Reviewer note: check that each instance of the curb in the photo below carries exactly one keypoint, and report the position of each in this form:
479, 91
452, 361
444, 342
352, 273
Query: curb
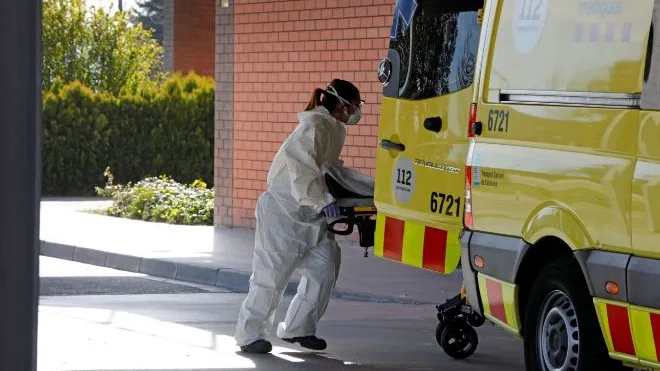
233, 280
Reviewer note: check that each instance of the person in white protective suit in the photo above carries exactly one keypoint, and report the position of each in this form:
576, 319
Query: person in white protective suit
292, 218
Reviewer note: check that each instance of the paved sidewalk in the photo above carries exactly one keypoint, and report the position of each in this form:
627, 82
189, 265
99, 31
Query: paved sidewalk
187, 253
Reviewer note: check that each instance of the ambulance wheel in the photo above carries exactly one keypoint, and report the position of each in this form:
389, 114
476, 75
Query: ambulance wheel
459, 340
561, 330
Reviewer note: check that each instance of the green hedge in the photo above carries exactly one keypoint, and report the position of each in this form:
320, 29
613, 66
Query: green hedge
164, 130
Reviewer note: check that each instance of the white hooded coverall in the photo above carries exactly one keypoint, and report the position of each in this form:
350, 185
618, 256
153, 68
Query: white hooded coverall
291, 231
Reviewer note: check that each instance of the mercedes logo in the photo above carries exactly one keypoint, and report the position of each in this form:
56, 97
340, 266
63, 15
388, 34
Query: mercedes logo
384, 71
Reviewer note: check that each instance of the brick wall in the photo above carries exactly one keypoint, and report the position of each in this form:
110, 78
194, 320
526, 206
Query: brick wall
194, 35
283, 50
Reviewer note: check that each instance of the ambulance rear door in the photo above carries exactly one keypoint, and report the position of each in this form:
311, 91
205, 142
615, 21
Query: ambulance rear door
423, 131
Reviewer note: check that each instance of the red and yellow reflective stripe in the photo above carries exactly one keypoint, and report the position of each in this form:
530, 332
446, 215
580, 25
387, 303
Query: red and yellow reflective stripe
500, 302
619, 323
632, 333
416, 244
393, 243
646, 333
615, 323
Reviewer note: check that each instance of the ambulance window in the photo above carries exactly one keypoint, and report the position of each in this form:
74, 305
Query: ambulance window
438, 49
650, 99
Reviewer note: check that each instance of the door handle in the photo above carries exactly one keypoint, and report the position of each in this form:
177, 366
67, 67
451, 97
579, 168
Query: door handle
389, 145
433, 124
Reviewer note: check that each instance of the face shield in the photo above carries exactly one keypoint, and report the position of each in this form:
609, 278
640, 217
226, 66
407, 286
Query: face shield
356, 115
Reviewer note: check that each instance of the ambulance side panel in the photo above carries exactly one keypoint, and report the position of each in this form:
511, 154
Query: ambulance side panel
643, 270
557, 153
566, 152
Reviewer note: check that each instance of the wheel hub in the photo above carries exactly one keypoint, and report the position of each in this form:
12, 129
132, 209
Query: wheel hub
558, 334
458, 339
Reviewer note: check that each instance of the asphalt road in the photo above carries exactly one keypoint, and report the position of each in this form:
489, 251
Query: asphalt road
66, 278
95, 318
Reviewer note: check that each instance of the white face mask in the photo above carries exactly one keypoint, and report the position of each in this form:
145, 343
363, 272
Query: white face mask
352, 119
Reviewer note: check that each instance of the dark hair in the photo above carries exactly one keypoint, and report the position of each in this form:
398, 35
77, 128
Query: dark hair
345, 90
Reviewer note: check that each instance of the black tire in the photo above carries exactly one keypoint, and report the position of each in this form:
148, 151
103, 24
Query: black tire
575, 341
476, 320
439, 329
459, 340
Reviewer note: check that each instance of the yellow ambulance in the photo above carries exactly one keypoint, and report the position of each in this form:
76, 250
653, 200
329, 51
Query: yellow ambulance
520, 140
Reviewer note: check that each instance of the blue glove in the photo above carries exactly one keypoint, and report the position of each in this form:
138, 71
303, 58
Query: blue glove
331, 211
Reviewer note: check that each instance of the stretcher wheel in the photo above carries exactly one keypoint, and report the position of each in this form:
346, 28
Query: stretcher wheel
476, 320
439, 329
459, 340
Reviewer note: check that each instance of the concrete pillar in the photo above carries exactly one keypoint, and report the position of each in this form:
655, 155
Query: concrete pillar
20, 188
224, 113
168, 35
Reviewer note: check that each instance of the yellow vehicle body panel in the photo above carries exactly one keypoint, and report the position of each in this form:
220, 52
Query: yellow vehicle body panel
414, 213
646, 188
569, 47
574, 185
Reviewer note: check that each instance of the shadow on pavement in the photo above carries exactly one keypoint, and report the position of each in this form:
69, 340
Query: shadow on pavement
94, 336
304, 361
186, 331
281, 361
100, 285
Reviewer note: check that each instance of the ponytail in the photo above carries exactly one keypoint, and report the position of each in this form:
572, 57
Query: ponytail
315, 99
343, 88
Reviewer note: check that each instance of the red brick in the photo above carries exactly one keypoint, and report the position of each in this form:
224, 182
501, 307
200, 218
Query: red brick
194, 36
285, 49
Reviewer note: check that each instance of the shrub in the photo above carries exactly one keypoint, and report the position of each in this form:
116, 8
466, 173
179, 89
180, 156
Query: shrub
168, 129
159, 199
